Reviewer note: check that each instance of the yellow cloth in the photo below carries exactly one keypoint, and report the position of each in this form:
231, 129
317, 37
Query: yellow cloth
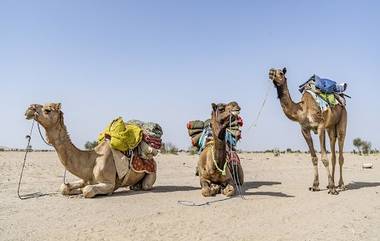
123, 137
329, 98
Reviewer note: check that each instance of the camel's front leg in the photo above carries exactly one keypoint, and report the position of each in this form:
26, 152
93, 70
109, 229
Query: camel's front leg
209, 189
72, 188
90, 191
322, 140
307, 135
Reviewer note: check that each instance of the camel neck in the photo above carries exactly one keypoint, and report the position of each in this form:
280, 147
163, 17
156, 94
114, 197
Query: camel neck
288, 106
219, 151
74, 160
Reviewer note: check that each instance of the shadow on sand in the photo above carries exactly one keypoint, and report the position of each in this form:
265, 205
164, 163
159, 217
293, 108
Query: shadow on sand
360, 185
251, 185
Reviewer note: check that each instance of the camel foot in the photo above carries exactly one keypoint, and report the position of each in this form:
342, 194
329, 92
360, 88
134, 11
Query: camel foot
229, 191
207, 192
89, 191
64, 189
215, 189
314, 189
333, 191
147, 187
136, 187
342, 187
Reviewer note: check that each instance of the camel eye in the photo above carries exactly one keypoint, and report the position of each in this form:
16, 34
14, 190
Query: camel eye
47, 111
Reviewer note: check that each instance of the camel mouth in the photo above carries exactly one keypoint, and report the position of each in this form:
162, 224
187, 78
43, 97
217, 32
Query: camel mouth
30, 114
235, 112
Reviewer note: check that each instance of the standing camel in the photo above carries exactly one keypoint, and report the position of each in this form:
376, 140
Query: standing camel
214, 174
96, 168
311, 118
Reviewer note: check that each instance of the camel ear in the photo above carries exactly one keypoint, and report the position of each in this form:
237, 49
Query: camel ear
284, 70
57, 106
214, 106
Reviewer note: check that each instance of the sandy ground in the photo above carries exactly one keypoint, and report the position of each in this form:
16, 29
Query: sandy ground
278, 206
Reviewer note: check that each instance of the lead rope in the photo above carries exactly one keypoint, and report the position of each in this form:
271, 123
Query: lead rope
254, 124
27, 149
235, 173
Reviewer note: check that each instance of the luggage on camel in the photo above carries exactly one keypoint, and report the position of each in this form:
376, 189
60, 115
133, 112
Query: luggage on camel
122, 137
327, 93
134, 142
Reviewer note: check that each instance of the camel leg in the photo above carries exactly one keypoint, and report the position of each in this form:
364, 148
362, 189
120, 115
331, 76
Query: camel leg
341, 128
332, 137
148, 181
325, 161
209, 189
229, 190
90, 191
104, 176
307, 135
72, 188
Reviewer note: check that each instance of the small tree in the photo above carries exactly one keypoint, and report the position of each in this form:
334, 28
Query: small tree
90, 145
366, 147
169, 148
358, 144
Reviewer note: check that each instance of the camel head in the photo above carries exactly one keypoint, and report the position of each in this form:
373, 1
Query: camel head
48, 115
278, 76
220, 117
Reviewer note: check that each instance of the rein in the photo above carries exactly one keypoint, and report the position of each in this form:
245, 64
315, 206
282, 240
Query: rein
27, 150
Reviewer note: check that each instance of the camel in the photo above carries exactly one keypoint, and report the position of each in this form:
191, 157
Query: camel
95, 168
215, 176
309, 115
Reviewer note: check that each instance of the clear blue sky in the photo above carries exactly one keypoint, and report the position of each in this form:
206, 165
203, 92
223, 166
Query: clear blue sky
166, 61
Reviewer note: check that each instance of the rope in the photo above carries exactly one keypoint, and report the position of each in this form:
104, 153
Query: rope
193, 204
235, 173
27, 149
254, 124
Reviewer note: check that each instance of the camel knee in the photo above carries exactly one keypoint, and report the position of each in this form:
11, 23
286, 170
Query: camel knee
341, 160
325, 162
314, 160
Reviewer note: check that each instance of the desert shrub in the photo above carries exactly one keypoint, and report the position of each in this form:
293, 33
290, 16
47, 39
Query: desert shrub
169, 148
90, 145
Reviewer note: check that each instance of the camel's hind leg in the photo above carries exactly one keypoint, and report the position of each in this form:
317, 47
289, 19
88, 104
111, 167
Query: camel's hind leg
72, 188
325, 161
341, 129
307, 135
104, 176
148, 181
332, 137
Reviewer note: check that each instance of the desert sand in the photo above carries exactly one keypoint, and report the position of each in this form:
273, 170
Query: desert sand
278, 205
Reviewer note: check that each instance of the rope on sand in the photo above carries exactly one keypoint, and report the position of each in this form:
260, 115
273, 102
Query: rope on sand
193, 204
27, 149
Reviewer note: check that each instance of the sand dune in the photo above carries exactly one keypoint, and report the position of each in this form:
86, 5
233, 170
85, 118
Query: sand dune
278, 205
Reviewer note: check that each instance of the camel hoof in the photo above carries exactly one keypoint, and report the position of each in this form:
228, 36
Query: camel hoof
64, 189
333, 191
314, 189
229, 191
136, 187
206, 192
88, 192
214, 189
342, 187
